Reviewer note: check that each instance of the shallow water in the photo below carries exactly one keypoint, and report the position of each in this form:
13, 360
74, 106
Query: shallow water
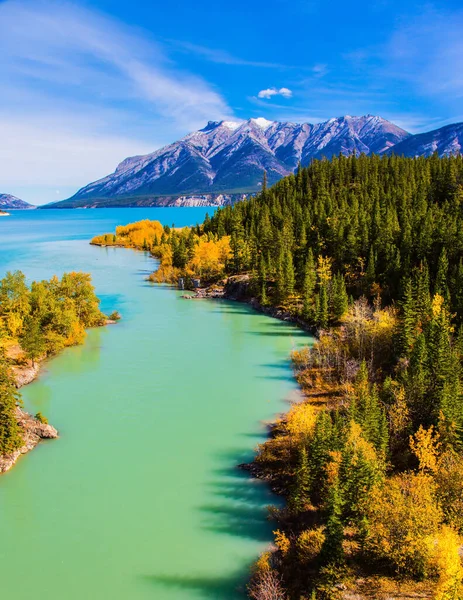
140, 497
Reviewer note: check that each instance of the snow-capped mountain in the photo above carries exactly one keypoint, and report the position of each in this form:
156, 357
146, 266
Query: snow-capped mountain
228, 157
445, 141
9, 201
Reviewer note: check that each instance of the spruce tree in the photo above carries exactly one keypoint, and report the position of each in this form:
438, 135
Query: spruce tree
408, 318
370, 274
322, 316
441, 286
332, 550
10, 432
310, 280
300, 494
340, 298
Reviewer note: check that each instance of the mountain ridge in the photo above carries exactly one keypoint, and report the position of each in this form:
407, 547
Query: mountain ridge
11, 202
228, 158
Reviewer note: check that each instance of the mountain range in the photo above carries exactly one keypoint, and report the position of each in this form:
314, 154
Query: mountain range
9, 201
219, 163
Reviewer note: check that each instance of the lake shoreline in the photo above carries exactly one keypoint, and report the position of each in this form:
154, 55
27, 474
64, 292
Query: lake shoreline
236, 289
33, 430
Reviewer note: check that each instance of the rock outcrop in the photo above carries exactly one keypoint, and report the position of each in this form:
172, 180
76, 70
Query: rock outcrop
33, 432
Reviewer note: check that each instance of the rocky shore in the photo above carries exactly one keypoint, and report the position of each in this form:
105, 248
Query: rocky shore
33, 432
237, 288
33, 429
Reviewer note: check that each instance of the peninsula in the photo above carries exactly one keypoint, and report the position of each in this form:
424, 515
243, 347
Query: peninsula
36, 322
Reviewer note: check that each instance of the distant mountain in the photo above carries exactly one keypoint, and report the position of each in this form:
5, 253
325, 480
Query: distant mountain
445, 141
229, 158
8, 201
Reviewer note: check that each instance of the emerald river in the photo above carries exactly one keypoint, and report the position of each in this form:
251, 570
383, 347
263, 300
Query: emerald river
140, 497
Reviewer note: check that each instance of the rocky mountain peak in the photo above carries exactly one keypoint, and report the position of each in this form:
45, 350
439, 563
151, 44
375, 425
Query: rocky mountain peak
229, 156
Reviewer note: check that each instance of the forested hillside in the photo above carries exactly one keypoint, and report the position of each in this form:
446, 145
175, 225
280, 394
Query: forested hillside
369, 250
372, 463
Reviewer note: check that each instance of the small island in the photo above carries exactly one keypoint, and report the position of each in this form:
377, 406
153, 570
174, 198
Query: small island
3, 213
36, 322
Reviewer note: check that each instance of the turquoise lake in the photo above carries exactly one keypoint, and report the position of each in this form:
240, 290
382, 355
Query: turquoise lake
140, 497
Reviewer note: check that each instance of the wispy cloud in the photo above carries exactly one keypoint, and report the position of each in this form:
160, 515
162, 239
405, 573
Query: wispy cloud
428, 52
421, 63
54, 57
320, 70
216, 55
270, 92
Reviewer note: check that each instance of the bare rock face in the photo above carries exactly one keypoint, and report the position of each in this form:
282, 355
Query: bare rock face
238, 288
24, 374
33, 431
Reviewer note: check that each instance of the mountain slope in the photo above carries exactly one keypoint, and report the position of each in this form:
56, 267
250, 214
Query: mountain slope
445, 141
230, 157
9, 201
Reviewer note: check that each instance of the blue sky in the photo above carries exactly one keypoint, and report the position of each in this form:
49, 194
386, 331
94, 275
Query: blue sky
86, 83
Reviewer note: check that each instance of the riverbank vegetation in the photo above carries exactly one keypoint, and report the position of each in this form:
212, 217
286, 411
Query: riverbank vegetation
36, 321
185, 252
369, 251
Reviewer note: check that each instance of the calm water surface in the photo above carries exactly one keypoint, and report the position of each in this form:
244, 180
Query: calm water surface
139, 498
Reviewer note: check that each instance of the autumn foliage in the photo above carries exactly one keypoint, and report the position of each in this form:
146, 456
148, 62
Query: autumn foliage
181, 252
39, 320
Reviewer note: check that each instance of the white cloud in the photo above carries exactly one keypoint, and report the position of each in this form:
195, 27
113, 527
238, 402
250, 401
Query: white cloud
81, 91
270, 92
49, 153
285, 92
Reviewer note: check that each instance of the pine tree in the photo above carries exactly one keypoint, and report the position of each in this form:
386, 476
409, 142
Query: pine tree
340, 298
300, 495
262, 280
418, 379
332, 550
288, 273
441, 286
423, 295
322, 316
370, 274
310, 280
408, 320
285, 276
10, 432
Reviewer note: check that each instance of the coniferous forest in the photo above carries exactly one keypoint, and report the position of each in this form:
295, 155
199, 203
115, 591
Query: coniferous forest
369, 252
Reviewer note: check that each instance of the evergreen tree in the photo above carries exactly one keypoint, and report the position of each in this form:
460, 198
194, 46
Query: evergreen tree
370, 274
10, 432
262, 280
441, 286
408, 324
300, 495
310, 280
332, 550
322, 315
340, 298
